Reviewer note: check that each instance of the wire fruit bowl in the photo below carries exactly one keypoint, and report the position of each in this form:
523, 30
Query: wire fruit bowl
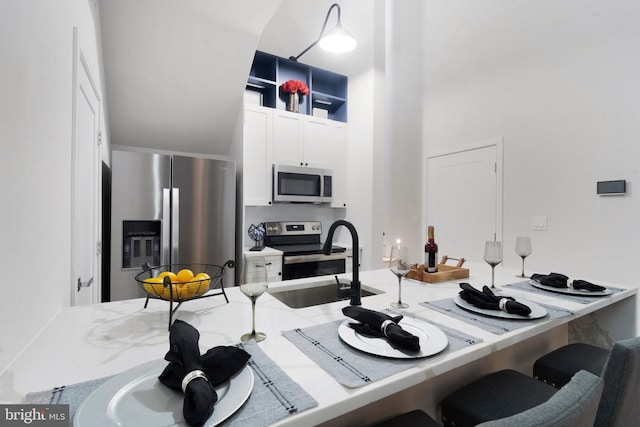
162, 282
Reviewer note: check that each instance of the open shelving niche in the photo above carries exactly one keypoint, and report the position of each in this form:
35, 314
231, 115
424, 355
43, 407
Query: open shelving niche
327, 90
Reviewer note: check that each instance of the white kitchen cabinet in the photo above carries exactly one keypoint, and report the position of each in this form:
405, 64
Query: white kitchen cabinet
326, 143
317, 135
289, 140
273, 262
338, 164
285, 138
300, 140
274, 268
349, 262
257, 155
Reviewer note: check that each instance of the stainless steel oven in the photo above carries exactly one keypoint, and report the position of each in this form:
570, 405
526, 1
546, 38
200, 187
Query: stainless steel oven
302, 250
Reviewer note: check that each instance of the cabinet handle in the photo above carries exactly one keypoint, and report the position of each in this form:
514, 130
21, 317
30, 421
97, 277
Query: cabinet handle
268, 263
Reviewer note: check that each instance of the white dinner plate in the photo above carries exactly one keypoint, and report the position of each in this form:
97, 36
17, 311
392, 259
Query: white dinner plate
570, 291
537, 311
136, 398
432, 340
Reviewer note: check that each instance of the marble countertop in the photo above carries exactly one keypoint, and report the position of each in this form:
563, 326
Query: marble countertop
87, 342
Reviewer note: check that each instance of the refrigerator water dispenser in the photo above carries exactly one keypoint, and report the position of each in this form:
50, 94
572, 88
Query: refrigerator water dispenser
140, 243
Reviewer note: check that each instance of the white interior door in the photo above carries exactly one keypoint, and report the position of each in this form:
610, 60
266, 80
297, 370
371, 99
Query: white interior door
464, 199
85, 286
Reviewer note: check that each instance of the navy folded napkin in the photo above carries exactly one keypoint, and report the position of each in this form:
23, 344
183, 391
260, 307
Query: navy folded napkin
490, 301
376, 324
196, 375
558, 280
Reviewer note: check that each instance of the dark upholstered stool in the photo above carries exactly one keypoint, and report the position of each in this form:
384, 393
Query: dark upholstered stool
508, 399
415, 418
621, 374
497, 395
557, 368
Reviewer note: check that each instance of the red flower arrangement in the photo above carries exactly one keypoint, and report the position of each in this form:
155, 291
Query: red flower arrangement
295, 86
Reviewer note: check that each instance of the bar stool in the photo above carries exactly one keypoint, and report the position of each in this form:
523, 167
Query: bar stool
619, 368
508, 398
557, 368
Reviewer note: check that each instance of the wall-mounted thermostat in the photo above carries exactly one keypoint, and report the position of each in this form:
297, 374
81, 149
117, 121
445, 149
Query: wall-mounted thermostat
612, 188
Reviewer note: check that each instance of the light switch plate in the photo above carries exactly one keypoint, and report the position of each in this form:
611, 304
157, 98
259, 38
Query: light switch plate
539, 223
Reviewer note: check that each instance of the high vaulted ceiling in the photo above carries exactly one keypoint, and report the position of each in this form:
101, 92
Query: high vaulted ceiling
175, 71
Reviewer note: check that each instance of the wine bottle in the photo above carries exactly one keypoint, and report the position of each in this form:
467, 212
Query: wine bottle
431, 252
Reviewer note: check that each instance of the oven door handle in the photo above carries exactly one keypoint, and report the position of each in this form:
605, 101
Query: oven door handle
298, 259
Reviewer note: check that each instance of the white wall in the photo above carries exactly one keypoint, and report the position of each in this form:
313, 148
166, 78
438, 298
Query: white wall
36, 52
568, 112
402, 170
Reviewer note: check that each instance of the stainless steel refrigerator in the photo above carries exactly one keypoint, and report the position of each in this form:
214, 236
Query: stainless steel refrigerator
169, 209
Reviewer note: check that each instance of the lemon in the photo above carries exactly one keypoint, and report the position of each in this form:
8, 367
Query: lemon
154, 286
187, 290
167, 292
185, 275
204, 281
172, 276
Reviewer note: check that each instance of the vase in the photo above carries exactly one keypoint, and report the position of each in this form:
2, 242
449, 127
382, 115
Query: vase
293, 102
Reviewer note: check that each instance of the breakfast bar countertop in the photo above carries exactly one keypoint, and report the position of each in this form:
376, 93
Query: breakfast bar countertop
87, 342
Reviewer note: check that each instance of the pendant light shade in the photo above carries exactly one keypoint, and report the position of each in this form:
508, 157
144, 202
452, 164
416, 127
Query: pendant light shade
336, 40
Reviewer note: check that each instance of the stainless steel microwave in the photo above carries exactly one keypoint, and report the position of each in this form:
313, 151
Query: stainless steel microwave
301, 184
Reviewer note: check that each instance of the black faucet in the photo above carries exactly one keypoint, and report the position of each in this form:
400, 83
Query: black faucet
355, 283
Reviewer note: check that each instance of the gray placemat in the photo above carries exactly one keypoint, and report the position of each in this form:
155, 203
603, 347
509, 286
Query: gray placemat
528, 287
492, 324
275, 395
72, 395
352, 367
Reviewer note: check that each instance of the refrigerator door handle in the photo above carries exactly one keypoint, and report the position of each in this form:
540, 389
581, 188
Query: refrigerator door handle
175, 224
166, 226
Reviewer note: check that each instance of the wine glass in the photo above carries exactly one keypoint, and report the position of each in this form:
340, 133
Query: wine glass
493, 256
400, 266
253, 283
523, 248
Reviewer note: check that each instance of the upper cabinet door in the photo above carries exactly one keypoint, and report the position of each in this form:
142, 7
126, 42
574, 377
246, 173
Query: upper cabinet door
338, 164
288, 138
317, 142
257, 156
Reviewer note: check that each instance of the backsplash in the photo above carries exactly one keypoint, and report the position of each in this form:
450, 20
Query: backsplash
295, 212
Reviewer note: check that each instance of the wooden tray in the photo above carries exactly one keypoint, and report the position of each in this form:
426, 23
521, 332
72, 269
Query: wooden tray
444, 273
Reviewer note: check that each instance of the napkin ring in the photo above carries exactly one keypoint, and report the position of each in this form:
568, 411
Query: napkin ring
502, 304
196, 373
384, 325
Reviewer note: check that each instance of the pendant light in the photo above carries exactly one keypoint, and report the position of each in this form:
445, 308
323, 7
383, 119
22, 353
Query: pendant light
336, 40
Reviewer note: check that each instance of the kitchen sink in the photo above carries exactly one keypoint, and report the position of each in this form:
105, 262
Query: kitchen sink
316, 293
